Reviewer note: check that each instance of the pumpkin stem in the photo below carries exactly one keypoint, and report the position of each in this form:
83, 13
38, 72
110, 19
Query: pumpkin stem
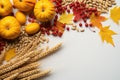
1, 6
7, 28
43, 9
20, 0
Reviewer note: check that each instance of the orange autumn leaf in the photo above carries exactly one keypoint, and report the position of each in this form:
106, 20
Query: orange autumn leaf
60, 26
106, 35
97, 20
10, 54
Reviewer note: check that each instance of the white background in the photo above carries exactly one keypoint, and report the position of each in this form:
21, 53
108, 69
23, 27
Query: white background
83, 56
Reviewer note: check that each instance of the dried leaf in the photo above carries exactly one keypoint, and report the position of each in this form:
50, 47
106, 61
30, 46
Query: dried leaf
115, 14
66, 18
106, 35
10, 54
97, 20
60, 26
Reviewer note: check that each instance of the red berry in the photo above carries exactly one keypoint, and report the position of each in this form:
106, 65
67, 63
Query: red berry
68, 28
56, 17
77, 3
1, 48
90, 25
90, 13
68, 11
60, 12
85, 20
64, 26
57, 11
80, 24
2, 44
86, 25
75, 20
29, 20
70, 5
60, 34
54, 33
96, 13
48, 33
32, 20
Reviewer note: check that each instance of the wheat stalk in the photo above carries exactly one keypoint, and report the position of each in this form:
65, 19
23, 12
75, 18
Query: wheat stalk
28, 73
11, 62
22, 69
30, 70
14, 66
30, 54
35, 76
34, 45
43, 54
30, 47
25, 49
12, 77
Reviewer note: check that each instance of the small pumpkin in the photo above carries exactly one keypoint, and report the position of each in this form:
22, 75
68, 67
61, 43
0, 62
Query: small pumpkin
9, 28
32, 28
5, 7
44, 10
21, 17
24, 5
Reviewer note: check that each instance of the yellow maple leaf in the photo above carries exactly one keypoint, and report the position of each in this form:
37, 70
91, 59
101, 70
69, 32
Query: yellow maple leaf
10, 54
106, 35
97, 20
115, 14
66, 18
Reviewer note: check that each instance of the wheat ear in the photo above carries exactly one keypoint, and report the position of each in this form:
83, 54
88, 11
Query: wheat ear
10, 63
25, 49
49, 51
14, 66
12, 77
30, 54
34, 45
38, 75
22, 69
28, 73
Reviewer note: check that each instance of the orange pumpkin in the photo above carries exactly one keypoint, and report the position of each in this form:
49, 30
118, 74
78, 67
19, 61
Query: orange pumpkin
5, 7
24, 5
21, 17
9, 27
32, 28
44, 10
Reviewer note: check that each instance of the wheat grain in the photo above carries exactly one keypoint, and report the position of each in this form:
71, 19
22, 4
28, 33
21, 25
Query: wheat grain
101, 5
